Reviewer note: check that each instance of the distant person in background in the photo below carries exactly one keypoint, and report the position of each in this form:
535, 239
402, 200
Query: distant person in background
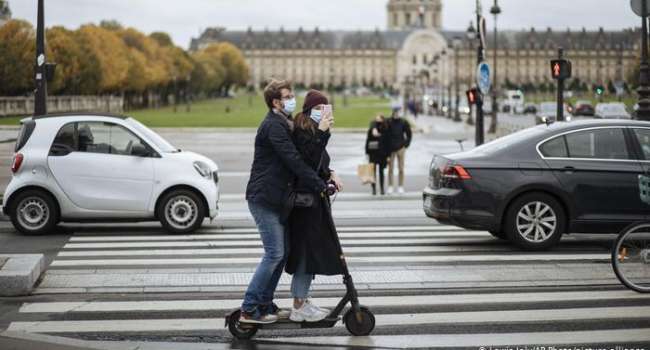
378, 150
400, 140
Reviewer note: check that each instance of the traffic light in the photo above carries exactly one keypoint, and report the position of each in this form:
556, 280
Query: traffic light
561, 69
600, 90
472, 96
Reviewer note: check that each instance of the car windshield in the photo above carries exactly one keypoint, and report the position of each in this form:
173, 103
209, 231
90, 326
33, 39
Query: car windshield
508, 141
160, 142
548, 107
614, 108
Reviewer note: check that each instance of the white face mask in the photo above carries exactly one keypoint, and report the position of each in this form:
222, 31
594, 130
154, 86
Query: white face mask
316, 115
289, 106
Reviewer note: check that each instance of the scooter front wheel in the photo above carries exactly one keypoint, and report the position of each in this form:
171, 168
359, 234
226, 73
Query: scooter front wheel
360, 323
239, 331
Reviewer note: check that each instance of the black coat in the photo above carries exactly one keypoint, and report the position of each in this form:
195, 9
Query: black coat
379, 156
311, 235
400, 131
276, 164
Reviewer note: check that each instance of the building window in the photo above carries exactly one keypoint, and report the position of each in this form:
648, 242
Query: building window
408, 19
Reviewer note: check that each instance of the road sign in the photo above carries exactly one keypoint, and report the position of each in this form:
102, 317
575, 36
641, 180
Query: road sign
637, 7
484, 77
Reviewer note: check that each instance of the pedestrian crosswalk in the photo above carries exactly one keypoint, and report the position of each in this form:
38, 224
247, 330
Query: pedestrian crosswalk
437, 282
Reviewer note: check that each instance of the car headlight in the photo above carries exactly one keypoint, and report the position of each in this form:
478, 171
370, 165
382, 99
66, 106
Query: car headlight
203, 169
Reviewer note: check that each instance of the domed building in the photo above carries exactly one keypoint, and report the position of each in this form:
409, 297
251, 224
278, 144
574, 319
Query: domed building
416, 49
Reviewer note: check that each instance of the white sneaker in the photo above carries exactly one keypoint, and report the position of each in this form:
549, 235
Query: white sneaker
326, 311
390, 190
401, 190
307, 313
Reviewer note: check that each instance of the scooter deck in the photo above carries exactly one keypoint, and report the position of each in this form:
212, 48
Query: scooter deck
288, 324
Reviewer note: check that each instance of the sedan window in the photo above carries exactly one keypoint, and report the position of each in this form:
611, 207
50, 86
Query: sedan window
598, 144
555, 148
643, 135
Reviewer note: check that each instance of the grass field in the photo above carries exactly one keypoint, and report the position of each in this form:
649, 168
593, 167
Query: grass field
246, 112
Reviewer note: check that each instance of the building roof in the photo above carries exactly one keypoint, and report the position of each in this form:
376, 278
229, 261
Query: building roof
393, 40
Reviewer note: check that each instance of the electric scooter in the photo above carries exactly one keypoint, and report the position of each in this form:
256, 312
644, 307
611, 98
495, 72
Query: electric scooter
358, 319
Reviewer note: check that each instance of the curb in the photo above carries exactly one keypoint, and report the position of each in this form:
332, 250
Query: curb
20, 273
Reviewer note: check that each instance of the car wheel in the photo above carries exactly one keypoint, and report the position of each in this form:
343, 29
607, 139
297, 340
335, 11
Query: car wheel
34, 212
499, 235
535, 221
181, 211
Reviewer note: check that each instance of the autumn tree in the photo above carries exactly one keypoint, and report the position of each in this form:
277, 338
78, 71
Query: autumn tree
111, 54
17, 55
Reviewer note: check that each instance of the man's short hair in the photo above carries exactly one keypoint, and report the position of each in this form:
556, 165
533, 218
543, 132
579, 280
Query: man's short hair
273, 91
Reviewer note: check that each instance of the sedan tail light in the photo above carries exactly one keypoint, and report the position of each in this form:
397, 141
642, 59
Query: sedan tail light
17, 162
456, 172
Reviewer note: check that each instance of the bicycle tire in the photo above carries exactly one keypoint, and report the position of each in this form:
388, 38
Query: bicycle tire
615, 257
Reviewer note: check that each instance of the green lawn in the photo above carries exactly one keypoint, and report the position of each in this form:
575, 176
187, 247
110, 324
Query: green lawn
247, 112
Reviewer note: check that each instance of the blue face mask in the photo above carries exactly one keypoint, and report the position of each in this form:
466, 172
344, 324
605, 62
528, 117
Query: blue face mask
290, 106
316, 115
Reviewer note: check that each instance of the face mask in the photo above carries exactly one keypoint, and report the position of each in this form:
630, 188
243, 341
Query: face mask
290, 106
316, 115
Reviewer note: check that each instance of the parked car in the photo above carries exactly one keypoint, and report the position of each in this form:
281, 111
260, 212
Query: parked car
584, 108
530, 108
83, 167
613, 110
513, 102
547, 113
533, 186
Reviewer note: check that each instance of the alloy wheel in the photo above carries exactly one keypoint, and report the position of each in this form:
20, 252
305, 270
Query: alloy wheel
536, 222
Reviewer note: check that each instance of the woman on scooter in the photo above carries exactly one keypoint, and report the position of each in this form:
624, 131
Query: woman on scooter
312, 249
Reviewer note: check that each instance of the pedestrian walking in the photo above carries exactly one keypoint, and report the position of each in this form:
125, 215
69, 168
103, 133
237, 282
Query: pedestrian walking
400, 140
276, 163
312, 252
378, 149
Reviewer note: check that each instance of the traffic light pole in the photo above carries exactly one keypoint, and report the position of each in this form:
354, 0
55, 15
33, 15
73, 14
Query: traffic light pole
560, 91
40, 78
480, 116
643, 113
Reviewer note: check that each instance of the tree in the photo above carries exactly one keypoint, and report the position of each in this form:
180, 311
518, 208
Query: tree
76, 72
17, 54
232, 60
111, 54
209, 74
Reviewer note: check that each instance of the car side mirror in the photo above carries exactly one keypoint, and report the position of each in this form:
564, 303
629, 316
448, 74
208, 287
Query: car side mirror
140, 150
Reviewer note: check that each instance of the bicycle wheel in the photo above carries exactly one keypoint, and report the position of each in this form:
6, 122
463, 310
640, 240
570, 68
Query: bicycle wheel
631, 257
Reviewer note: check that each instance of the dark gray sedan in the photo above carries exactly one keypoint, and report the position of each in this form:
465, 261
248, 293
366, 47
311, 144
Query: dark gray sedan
533, 186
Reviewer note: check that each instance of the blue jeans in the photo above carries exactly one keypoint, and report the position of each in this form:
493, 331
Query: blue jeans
275, 238
301, 281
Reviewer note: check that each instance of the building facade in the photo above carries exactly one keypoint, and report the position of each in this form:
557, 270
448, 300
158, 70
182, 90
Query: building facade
5, 12
415, 49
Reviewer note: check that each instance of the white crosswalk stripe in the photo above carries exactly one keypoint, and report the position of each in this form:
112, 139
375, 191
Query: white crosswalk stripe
409, 265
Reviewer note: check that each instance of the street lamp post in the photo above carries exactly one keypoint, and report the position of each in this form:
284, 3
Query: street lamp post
643, 113
40, 78
496, 11
457, 43
480, 21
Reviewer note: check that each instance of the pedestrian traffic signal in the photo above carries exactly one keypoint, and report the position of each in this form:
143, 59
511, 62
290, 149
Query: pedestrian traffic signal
600, 90
561, 69
472, 96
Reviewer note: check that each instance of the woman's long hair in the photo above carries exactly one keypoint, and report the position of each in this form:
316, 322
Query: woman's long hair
303, 121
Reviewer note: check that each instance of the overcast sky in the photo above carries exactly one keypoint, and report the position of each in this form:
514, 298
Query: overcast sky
184, 19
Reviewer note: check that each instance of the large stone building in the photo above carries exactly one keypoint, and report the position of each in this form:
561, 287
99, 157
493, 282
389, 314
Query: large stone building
5, 12
415, 49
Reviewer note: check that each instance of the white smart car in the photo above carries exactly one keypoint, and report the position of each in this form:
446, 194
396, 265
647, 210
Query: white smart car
103, 168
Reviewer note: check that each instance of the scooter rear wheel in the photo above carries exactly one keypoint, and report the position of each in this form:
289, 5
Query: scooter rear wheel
359, 324
236, 329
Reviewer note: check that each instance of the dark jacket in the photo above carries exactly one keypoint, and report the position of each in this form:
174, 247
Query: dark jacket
311, 231
276, 164
400, 133
380, 155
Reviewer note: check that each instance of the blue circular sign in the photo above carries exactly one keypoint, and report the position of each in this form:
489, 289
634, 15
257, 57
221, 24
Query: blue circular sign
484, 77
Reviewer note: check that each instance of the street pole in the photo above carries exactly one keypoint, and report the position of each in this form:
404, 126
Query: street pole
560, 91
457, 82
496, 11
643, 113
40, 78
480, 117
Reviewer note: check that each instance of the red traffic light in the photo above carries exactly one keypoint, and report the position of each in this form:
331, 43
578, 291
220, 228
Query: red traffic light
561, 69
472, 96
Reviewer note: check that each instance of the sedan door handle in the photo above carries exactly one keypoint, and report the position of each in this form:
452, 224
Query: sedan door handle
569, 169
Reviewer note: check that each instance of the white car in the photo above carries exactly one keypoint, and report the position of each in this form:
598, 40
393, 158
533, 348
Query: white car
613, 110
103, 168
